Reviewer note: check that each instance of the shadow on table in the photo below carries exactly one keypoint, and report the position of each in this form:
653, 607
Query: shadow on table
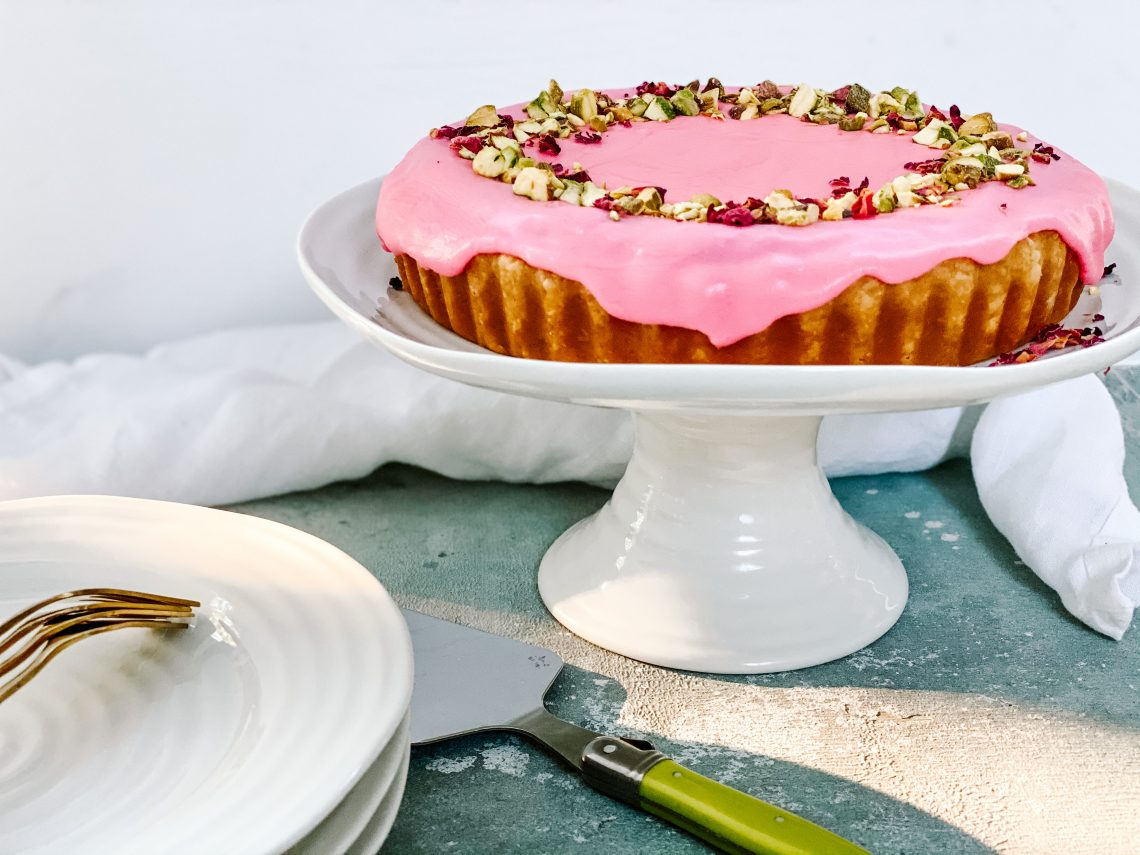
497, 793
977, 622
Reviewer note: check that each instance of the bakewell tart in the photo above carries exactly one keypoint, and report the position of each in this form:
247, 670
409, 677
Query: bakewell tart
762, 224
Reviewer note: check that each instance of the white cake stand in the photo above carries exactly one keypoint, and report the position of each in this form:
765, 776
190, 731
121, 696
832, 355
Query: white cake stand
722, 549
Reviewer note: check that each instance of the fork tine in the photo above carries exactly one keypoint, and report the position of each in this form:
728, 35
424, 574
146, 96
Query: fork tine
100, 594
58, 643
42, 627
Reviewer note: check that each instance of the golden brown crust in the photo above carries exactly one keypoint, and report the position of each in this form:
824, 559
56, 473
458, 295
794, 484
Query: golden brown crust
958, 313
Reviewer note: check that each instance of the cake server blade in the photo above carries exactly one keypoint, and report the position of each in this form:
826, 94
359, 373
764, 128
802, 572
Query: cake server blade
468, 681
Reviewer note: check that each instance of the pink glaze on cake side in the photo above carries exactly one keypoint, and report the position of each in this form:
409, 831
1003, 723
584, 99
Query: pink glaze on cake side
725, 281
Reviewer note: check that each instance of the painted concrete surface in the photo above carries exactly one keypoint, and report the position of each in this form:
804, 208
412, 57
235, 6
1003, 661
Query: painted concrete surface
986, 720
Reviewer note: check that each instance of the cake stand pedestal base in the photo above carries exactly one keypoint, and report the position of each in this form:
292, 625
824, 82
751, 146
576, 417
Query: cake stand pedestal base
724, 550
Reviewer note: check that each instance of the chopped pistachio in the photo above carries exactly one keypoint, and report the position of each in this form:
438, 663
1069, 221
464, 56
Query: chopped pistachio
598, 124
854, 122
623, 114
1005, 171
929, 136
637, 107
1019, 181
884, 199
555, 91
489, 162
904, 192
511, 155
746, 96
998, 139
752, 111
584, 104
800, 215
963, 170
1022, 137
615, 216
574, 120
571, 192
660, 110
650, 197
630, 205
882, 103
550, 126
591, 193
780, 199
533, 183
802, 101
705, 199
540, 107
969, 149
772, 105
837, 207
685, 102
859, 99
483, 117
977, 125
688, 211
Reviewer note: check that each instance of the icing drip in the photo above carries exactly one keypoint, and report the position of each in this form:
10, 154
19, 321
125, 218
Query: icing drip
728, 282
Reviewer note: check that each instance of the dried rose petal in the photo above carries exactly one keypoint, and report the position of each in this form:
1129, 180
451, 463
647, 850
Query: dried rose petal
926, 167
864, 207
606, 203
1044, 153
935, 113
508, 121
472, 144
956, 119
1052, 337
443, 132
863, 185
580, 175
587, 137
839, 96
547, 144
737, 216
662, 89
841, 181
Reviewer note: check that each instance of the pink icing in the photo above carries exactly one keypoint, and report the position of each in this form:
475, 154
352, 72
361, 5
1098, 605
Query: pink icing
725, 281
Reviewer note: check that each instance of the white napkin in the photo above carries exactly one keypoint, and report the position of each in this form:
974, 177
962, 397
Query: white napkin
248, 413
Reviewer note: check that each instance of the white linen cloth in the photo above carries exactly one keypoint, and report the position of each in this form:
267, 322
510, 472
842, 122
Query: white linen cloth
248, 413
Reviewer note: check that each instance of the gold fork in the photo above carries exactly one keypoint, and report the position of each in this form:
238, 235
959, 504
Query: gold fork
33, 637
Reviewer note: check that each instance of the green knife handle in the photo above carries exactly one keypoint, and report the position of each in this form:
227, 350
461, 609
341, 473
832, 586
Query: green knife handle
730, 820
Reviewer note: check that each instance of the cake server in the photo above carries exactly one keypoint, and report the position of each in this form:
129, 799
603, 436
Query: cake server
468, 681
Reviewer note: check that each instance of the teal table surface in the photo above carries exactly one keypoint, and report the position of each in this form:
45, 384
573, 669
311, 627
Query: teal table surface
987, 720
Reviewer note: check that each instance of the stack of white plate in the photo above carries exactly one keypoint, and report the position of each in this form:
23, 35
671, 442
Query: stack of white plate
278, 722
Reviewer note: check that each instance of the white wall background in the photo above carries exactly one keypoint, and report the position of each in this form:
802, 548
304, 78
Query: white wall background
158, 156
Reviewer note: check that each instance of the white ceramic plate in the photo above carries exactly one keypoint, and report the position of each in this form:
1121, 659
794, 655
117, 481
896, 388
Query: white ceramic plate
375, 832
344, 826
239, 735
347, 268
